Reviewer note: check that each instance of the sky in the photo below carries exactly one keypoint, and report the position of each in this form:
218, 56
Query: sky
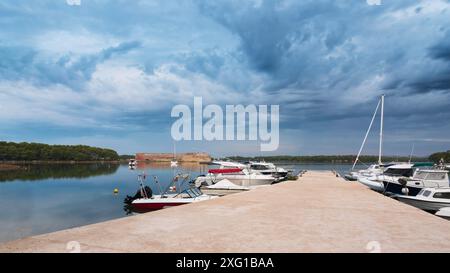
107, 73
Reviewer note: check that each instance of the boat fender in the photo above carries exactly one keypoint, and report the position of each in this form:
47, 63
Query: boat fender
405, 191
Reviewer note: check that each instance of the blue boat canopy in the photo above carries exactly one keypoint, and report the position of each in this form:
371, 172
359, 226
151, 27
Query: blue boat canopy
423, 164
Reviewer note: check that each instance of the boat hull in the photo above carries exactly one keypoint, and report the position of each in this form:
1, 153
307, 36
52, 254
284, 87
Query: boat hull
373, 185
156, 205
444, 213
251, 182
427, 205
397, 188
220, 192
239, 180
351, 177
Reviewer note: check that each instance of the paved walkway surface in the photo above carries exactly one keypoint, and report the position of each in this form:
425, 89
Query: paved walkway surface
317, 213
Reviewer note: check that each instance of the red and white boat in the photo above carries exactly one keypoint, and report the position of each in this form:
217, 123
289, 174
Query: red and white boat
144, 200
236, 175
157, 202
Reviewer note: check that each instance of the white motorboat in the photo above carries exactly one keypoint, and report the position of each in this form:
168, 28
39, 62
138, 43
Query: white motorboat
391, 174
237, 176
223, 187
252, 167
267, 169
228, 164
132, 163
444, 213
156, 202
428, 199
144, 200
372, 170
372, 182
426, 178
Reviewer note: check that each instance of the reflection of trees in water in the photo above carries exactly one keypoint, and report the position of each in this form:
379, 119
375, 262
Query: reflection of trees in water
45, 171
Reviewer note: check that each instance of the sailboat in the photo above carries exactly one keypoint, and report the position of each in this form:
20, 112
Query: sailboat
374, 169
174, 162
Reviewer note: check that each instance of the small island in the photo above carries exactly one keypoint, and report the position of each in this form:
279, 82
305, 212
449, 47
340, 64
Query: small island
12, 153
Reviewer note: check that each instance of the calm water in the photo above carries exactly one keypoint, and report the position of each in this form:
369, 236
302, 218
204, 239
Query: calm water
46, 198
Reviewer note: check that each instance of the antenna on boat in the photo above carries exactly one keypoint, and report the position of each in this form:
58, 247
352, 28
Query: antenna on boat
381, 130
367, 134
411, 154
155, 178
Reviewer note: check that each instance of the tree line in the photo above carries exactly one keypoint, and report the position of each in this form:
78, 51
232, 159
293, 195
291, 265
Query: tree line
441, 155
336, 159
11, 151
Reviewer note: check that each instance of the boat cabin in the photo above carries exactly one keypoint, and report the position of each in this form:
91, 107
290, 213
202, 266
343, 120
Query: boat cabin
435, 193
431, 178
400, 170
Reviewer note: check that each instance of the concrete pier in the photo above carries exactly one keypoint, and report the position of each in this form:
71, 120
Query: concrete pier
317, 213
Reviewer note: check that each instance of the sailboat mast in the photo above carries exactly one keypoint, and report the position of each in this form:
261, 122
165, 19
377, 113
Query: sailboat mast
381, 130
367, 134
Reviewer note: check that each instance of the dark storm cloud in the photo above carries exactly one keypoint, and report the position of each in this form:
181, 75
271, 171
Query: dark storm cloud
325, 62
324, 48
25, 63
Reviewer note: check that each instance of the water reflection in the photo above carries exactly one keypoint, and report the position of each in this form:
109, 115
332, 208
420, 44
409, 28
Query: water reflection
33, 172
70, 195
182, 166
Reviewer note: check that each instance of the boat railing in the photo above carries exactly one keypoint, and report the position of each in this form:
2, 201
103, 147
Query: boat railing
193, 192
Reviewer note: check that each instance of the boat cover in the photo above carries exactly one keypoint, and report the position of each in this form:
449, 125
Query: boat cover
226, 184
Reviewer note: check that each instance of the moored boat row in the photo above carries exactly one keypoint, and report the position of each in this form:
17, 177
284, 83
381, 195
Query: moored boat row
423, 185
225, 178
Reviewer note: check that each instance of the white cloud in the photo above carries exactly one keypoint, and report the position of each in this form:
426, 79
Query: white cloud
114, 90
21, 101
169, 84
373, 2
73, 2
79, 42
423, 8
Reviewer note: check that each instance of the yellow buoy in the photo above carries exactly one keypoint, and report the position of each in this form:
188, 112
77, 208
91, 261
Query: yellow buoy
116, 191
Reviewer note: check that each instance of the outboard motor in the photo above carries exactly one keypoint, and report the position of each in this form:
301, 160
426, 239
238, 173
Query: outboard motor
129, 199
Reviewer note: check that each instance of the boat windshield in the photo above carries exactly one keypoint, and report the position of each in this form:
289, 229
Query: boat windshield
442, 195
399, 172
426, 193
259, 167
193, 192
430, 175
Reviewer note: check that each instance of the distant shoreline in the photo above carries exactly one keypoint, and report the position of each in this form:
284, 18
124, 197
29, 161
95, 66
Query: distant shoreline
19, 165
22, 162
9, 167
